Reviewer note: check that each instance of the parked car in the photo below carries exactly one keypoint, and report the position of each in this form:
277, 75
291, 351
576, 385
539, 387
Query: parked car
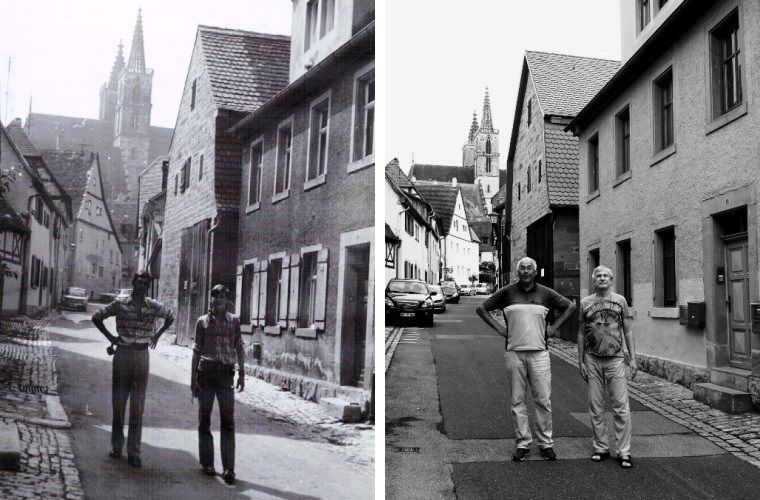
74, 298
439, 298
451, 291
467, 290
123, 293
408, 299
482, 289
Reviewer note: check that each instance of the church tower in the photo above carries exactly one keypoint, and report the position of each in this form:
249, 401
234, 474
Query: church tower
487, 155
468, 150
133, 107
109, 90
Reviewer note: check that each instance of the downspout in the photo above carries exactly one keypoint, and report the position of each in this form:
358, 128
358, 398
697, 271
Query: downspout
209, 252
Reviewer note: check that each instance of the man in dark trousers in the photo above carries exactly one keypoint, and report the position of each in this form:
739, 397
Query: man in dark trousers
218, 345
136, 327
525, 305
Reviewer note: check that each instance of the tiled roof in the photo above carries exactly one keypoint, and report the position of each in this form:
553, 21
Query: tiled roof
246, 69
499, 198
442, 173
389, 234
393, 170
70, 168
20, 139
443, 199
565, 84
561, 166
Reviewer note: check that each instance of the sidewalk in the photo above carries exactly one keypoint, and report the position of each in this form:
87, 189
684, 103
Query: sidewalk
29, 400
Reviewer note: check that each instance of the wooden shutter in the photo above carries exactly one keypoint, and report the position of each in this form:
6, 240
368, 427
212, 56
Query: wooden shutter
262, 314
256, 281
282, 313
321, 299
238, 290
295, 275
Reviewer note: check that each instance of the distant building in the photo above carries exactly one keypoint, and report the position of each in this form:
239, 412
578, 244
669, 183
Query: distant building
122, 137
152, 196
669, 189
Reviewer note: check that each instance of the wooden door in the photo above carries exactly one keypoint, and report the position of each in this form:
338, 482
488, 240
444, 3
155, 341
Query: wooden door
737, 301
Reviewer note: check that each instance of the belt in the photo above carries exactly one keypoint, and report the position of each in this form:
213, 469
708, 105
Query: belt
136, 346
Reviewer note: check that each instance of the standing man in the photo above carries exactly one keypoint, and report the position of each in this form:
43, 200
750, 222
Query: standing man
604, 322
218, 345
525, 305
136, 326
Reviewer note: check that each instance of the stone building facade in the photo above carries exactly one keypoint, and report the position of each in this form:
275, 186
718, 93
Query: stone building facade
669, 188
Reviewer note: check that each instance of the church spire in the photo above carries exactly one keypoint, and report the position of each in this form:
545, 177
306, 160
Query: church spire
118, 65
486, 125
137, 53
473, 128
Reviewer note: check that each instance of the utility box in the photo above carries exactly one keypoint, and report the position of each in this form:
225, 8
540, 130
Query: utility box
754, 309
683, 315
696, 313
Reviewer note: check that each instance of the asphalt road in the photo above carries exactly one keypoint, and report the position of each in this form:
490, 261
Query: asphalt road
448, 430
274, 460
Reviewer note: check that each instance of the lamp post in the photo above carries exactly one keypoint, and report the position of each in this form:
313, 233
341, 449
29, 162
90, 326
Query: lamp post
495, 226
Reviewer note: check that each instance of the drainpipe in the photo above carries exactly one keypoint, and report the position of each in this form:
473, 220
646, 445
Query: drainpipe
209, 252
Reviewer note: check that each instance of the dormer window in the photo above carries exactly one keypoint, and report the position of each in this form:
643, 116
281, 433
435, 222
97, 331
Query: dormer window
320, 20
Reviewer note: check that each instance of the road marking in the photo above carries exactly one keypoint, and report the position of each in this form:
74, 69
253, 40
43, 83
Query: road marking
449, 320
465, 337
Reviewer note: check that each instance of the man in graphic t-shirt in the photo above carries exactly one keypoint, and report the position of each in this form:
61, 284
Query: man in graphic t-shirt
604, 326
525, 305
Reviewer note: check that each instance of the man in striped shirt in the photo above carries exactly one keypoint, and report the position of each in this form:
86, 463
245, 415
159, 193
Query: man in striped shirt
136, 327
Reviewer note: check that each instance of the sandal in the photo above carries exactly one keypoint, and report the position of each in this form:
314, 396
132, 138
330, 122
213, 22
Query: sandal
599, 456
625, 462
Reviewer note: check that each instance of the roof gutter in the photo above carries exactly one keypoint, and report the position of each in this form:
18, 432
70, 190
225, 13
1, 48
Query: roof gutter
304, 83
679, 20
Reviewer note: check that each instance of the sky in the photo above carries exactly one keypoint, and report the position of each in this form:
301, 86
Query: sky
61, 52
439, 62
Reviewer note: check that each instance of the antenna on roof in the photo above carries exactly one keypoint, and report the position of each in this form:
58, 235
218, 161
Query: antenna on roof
7, 88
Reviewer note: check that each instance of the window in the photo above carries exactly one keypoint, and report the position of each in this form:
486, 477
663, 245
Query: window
254, 174
185, 176
98, 211
307, 301
100, 271
390, 254
192, 94
663, 101
593, 262
726, 65
623, 140
623, 275
488, 158
87, 206
320, 20
176, 177
518, 192
318, 135
274, 288
529, 183
284, 152
34, 278
539, 171
530, 111
200, 168
593, 164
364, 119
81, 235
111, 260
645, 13
665, 268
409, 223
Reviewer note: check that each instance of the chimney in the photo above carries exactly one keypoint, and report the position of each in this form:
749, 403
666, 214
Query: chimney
164, 174
453, 182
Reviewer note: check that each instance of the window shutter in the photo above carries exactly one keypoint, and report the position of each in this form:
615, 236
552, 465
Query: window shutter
255, 293
247, 172
263, 293
282, 315
321, 298
238, 289
295, 275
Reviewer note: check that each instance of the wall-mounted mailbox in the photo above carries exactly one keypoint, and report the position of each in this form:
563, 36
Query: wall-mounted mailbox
754, 309
696, 313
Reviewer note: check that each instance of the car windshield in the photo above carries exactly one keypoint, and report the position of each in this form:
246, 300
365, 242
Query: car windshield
448, 286
434, 288
78, 292
407, 287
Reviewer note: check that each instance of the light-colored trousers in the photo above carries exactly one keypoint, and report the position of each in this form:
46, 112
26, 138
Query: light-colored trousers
534, 368
609, 373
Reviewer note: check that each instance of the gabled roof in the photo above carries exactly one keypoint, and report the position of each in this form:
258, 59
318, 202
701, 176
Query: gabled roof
393, 170
565, 84
417, 205
389, 234
245, 69
20, 139
442, 173
443, 198
500, 198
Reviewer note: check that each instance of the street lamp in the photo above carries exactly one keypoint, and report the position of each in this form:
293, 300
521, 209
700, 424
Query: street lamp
495, 225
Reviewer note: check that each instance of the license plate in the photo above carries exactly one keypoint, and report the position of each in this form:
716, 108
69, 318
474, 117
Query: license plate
406, 315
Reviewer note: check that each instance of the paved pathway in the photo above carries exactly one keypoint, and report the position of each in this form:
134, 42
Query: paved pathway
737, 434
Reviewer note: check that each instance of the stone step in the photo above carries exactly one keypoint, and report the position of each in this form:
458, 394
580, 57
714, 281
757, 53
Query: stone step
341, 409
723, 398
10, 447
734, 378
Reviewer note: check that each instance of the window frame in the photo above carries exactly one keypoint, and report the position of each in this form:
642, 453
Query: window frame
258, 142
623, 274
623, 142
663, 110
319, 22
316, 131
592, 163
285, 192
719, 113
665, 288
359, 120
593, 259
308, 322
193, 94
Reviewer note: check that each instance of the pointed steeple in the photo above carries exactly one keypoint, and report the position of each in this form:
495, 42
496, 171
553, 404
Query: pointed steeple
137, 52
118, 65
473, 128
486, 125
